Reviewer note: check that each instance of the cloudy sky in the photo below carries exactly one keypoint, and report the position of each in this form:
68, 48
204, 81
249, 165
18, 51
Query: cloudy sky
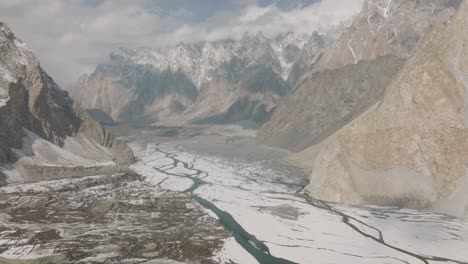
71, 36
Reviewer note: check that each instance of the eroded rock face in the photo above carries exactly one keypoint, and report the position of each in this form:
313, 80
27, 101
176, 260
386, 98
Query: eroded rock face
324, 100
412, 149
30, 99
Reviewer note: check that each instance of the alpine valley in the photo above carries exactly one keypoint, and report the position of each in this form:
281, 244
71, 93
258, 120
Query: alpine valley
344, 145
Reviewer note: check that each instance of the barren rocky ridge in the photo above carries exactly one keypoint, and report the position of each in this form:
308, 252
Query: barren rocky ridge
33, 106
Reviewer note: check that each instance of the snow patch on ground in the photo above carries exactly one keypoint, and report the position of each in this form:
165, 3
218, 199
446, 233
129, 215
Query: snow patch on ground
79, 155
28, 252
77, 151
232, 252
4, 100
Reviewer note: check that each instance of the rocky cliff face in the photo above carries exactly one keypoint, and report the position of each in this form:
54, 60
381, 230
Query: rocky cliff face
411, 149
369, 54
221, 81
30, 99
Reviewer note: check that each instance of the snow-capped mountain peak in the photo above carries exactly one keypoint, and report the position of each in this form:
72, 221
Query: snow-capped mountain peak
204, 61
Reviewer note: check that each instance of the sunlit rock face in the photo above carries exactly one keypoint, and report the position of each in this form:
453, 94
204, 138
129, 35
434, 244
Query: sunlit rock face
412, 148
32, 103
344, 79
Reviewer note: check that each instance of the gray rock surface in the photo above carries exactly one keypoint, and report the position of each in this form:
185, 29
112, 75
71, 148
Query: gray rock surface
31, 101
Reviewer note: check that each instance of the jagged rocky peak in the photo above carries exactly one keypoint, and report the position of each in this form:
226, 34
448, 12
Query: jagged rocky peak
314, 46
33, 108
289, 46
14, 55
386, 27
48, 104
388, 8
207, 60
121, 54
307, 57
316, 42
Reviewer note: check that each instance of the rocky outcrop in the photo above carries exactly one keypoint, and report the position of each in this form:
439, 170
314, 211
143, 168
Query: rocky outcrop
93, 130
368, 53
410, 150
31, 102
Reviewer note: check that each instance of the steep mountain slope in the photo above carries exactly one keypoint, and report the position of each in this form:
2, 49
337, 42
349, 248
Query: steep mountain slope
201, 82
30, 100
382, 34
411, 149
327, 101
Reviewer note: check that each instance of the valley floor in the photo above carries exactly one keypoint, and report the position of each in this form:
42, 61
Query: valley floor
211, 199
266, 199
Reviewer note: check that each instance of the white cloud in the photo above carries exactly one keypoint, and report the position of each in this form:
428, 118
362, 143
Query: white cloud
71, 37
272, 20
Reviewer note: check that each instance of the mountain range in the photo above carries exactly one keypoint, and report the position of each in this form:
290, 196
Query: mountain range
369, 112
221, 81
